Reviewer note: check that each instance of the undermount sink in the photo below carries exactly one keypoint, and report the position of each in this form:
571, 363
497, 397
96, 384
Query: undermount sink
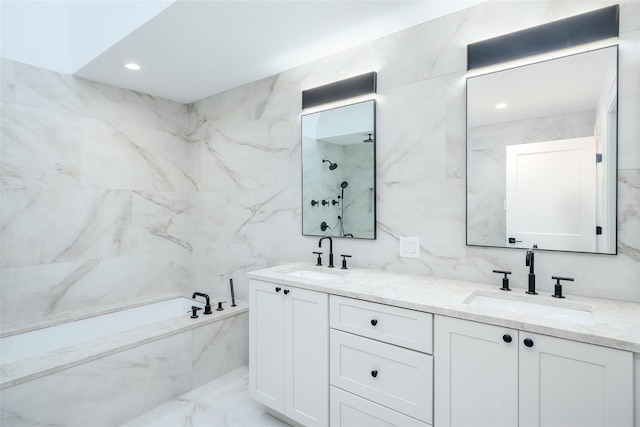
308, 273
522, 305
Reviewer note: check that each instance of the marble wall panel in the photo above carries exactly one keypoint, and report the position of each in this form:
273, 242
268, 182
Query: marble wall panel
456, 125
411, 131
8, 301
257, 154
40, 149
161, 221
123, 156
73, 153
220, 347
107, 391
50, 289
40, 88
63, 225
628, 209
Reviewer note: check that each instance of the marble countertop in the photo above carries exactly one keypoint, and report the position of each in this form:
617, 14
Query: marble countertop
615, 324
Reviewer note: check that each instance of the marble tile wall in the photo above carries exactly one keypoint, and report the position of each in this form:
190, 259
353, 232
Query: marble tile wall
96, 191
420, 160
108, 194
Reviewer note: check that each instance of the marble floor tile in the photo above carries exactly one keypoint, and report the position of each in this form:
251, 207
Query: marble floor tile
224, 402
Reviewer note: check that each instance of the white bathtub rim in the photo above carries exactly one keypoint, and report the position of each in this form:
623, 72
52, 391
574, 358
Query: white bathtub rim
20, 327
35, 367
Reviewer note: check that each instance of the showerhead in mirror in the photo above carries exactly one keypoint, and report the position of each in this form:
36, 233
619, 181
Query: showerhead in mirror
332, 165
344, 184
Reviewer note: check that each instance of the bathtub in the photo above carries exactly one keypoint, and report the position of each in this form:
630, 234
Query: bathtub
113, 366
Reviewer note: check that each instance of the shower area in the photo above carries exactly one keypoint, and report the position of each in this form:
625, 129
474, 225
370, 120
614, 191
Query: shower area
338, 170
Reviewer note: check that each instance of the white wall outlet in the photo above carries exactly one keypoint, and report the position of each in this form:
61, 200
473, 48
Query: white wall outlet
410, 247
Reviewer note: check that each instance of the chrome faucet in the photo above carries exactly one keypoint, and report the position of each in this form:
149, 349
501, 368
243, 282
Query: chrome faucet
330, 249
532, 277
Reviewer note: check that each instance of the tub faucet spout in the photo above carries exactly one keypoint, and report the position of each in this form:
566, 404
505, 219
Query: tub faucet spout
207, 307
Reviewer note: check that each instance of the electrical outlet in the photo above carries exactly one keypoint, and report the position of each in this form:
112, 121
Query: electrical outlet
410, 247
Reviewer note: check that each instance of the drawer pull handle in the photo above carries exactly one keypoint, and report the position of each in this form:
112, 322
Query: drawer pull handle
278, 289
528, 342
286, 291
374, 322
506, 338
374, 374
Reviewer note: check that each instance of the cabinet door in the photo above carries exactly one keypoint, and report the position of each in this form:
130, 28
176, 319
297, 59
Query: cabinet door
567, 383
266, 344
306, 356
475, 375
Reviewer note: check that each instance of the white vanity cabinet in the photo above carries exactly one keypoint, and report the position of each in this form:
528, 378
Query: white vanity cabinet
381, 369
488, 375
289, 351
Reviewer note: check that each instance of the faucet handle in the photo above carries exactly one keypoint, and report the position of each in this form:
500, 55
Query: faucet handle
344, 261
558, 287
505, 279
319, 261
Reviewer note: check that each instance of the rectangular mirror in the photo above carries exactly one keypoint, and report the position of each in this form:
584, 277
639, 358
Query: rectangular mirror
541, 155
338, 172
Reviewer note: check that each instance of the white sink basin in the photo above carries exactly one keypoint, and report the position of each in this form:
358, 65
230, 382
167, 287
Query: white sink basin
523, 306
311, 274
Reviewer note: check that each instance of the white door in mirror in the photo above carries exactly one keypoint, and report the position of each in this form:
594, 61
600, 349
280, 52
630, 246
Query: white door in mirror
551, 194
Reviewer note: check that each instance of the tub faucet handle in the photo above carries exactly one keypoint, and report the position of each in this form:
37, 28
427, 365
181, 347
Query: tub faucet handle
220, 305
194, 313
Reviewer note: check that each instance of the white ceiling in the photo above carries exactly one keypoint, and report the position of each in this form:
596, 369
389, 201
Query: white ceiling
190, 50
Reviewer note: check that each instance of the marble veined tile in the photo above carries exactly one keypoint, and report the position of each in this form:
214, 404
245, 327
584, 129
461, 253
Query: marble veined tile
8, 301
224, 402
412, 135
220, 347
42, 227
629, 206
40, 149
51, 289
53, 91
161, 221
107, 391
117, 156
257, 154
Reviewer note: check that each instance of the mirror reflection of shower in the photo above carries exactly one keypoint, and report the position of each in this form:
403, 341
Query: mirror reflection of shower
332, 166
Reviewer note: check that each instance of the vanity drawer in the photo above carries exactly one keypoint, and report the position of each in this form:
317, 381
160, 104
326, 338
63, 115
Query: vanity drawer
349, 410
394, 377
395, 325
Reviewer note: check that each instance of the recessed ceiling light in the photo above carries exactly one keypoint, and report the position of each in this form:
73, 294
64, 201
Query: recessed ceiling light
132, 66
501, 105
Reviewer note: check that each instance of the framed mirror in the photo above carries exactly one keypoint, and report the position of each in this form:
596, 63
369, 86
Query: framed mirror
541, 155
338, 172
